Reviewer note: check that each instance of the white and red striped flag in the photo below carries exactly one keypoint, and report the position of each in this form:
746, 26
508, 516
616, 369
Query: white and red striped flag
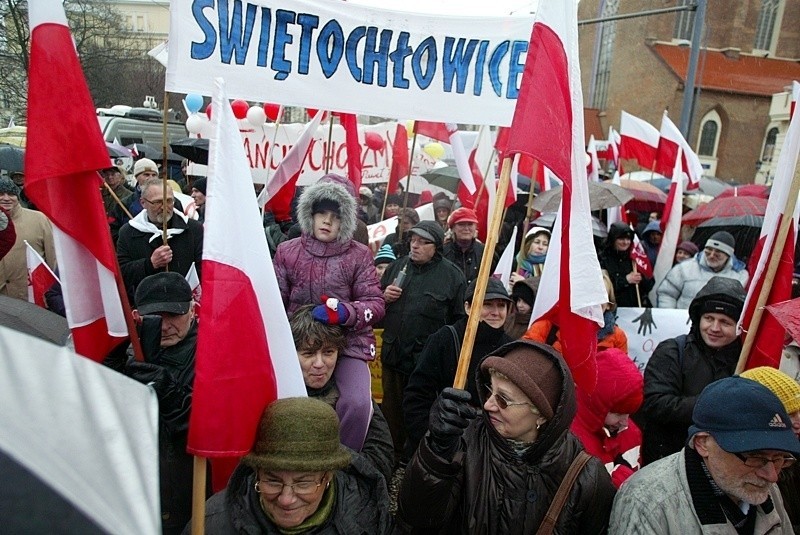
448, 133
640, 259
245, 351
616, 213
768, 343
670, 226
571, 292
795, 97
593, 169
61, 179
40, 277
638, 140
670, 142
614, 140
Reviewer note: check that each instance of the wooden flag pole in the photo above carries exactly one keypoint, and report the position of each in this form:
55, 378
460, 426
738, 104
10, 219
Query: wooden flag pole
199, 496
165, 221
116, 199
772, 268
483, 277
638, 295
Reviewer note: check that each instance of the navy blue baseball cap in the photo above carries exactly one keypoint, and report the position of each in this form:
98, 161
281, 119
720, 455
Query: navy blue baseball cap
743, 415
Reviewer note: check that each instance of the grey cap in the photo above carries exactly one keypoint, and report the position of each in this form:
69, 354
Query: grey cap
429, 230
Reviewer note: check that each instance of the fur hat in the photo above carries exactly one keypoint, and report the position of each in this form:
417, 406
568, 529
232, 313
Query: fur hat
7, 186
722, 241
328, 189
782, 385
144, 164
298, 434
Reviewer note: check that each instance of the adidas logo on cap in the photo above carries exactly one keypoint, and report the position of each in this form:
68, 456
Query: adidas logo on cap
777, 422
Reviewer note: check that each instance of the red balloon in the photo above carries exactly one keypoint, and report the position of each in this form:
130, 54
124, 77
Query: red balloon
208, 111
374, 141
240, 108
272, 111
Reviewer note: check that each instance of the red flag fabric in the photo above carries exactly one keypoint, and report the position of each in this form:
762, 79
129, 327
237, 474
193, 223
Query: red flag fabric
353, 145
400, 158
245, 351
437, 131
795, 97
62, 181
40, 277
639, 257
638, 140
670, 144
571, 292
768, 343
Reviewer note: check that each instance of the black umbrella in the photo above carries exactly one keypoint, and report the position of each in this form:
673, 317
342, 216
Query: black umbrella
195, 149
601, 196
746, 229
599, 229
12, 158
34, 320
444, 177
153, 153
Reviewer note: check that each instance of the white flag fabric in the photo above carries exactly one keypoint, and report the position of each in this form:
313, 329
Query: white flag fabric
160, 53
671, 226
506, 262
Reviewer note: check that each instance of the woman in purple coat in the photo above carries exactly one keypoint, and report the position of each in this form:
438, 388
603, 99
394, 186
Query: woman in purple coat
327, 268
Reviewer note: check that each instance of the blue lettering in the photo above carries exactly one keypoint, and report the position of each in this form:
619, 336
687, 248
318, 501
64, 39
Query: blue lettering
494, 66
480, 61
351, 51
376, 56
263, 41
398, 57
456, 62
206, 48
330, 47
515, 68
426, 48
307, 23
231, 40
280, 64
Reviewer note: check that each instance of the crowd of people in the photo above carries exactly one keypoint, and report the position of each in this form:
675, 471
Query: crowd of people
685, 447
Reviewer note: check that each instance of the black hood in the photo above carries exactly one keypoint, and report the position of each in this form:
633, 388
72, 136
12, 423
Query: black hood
720, 289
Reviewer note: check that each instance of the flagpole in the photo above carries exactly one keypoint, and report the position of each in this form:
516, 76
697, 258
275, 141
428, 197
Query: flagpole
638, 295
330, 143
483, 277
199, 495
772, 268
164, 222
272, 145
119, 202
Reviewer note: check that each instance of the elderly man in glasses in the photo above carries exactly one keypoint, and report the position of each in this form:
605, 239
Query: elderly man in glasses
724, 480
141, 250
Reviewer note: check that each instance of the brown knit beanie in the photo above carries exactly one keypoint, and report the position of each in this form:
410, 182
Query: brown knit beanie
534, 373
298, 434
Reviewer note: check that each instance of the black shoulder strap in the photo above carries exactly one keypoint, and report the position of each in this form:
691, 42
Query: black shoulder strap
456, 340
681, 341
552, 335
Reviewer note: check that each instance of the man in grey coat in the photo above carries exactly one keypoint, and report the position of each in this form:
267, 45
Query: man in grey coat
724, 480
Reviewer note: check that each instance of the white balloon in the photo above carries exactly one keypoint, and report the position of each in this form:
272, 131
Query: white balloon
256, 116
194, 124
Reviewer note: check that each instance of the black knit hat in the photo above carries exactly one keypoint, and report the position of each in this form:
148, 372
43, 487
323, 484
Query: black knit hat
7, 186
722, 241
200, 185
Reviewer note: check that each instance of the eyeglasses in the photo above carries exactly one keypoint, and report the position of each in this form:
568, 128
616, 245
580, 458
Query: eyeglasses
275, 487
756, 461
159, 202
420, 241
502, 402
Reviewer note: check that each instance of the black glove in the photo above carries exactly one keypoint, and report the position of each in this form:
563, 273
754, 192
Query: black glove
449, 417
148, 373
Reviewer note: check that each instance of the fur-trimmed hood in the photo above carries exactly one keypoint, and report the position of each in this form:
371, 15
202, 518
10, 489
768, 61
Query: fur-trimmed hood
333, 187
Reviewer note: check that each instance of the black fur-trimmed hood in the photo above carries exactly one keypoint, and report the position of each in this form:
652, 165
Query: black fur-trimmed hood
333, 187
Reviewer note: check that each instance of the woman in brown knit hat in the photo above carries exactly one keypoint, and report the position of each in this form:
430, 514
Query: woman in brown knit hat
499, 472
298, 478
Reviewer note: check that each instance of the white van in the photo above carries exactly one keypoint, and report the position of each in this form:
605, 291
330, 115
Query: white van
126, 125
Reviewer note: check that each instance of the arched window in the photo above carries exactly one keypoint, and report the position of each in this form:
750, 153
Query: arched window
769, 145
684, 22
767, 25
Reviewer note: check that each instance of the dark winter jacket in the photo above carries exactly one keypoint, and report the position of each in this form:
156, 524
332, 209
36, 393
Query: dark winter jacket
433, 296
618, 264
789, 485
437, 369
307, 269
134, 248
469, 261
361, 505
488, 488
672, 382
650, 248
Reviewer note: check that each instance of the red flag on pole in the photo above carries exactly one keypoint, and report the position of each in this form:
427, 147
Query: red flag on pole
671, 227
768, 342
61, 166
638, 140
550, 100
245, 351
40, 277
670, 144
350, 124
639, 257
400, 157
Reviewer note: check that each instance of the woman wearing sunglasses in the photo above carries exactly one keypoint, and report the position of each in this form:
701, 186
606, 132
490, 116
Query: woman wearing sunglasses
499, 472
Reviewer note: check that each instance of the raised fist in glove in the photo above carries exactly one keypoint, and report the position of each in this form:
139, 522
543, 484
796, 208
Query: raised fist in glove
450, 415
331, 312
149, 373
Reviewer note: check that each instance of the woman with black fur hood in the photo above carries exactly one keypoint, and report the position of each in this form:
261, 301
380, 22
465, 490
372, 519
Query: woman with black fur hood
326, 267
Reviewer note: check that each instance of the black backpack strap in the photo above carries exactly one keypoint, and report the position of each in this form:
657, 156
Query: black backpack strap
456, 340
681, 341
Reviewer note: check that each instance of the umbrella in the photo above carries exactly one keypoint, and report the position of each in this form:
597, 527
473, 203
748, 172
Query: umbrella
153, 153
195, 149
788, 315
662, 184
118, 151
11, 158
748, 190
713, 186
726, 207
646, 197
32, 319
601, 196
746, 230
444, 177
598, 227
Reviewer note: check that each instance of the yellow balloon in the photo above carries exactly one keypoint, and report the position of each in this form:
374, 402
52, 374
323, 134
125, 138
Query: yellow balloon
410, 128
434, 150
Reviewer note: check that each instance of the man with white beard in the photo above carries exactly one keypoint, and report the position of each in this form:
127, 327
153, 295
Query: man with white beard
724, 480
140, 248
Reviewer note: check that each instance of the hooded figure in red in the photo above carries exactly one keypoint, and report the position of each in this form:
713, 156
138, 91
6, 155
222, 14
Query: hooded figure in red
602, 422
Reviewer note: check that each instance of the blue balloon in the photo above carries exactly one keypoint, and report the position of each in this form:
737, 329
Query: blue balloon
194, 102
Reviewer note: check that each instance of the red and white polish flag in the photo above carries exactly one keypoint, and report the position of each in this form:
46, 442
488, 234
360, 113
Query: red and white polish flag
571, 292
245, 352
62, 163
448, 133
670, 142
638, 140
639, 257
40, 277
670, 226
